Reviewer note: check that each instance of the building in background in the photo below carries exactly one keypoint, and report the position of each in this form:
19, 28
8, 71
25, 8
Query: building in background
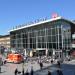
4, 42
49, 37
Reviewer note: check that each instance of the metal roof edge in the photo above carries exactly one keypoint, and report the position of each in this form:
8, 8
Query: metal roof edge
49, 20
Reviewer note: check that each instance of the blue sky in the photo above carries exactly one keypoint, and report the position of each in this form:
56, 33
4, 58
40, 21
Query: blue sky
15, 12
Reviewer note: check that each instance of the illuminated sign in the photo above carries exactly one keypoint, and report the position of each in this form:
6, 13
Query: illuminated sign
54, 15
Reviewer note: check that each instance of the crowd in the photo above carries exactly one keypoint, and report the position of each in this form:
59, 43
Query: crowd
16, 72
58, 72
24, 73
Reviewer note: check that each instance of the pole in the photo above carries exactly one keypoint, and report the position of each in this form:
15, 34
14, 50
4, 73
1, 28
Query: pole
62, 41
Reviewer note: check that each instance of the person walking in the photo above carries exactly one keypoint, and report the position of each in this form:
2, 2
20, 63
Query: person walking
23, 71
31, 73
41, 65
16, 71
49, 73
27, 73
58, 64
51, 61
0, 69
5, 62
59, 72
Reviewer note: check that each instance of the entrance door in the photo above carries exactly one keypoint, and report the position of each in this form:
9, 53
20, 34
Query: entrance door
58, 55
41, 52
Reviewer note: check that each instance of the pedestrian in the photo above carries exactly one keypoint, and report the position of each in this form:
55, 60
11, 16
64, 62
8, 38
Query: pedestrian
31, 73
49, 73
16, 71
51, 61
23, 71
59, 72
0, 69
41, 65
58, 64
5, 62
2, 63
27, 73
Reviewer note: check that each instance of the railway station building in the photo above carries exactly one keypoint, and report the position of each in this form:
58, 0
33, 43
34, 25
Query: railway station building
52, 37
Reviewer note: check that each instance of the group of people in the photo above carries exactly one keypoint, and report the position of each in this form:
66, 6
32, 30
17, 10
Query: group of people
23, 72
3, 62
58, 72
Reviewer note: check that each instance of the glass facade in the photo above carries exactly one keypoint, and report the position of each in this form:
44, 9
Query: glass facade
52, 35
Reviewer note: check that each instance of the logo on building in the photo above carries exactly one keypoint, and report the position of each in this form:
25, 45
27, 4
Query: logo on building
54, 15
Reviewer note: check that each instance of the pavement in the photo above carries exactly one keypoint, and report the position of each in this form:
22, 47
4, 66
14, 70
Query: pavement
68, 68
9, 68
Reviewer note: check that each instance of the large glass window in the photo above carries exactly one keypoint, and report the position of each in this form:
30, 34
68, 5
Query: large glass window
53, 31
50, 45
53, 38
49, 39
42, 35
49, 31
34, 45
60, 38
54, 45
42, 32
66, 30
39, 45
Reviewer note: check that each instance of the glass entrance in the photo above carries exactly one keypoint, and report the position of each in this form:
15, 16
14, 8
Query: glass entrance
58, 55
41, 52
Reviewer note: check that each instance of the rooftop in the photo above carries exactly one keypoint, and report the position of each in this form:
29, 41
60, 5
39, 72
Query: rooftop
40, 22
1, 36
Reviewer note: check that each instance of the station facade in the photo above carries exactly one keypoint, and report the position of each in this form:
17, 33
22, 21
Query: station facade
51, 37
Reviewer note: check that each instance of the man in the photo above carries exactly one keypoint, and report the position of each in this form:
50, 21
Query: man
49, 73
16, 71
0, 69
59, 72
23, 71
31, 71
41, 65
27, 73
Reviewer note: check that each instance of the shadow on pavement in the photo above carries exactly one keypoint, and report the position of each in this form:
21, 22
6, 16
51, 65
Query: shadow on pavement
3, 72
67, 69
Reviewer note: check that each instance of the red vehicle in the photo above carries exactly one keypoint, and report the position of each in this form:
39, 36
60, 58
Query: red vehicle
14, 58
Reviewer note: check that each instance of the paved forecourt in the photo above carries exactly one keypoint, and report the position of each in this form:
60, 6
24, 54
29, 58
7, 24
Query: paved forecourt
67, 68
9, 68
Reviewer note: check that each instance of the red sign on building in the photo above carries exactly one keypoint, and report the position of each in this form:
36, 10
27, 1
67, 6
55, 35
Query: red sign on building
54, 15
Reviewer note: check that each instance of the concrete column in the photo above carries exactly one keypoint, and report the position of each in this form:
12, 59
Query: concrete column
53, 53
25, 52
31, 53
46, 52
